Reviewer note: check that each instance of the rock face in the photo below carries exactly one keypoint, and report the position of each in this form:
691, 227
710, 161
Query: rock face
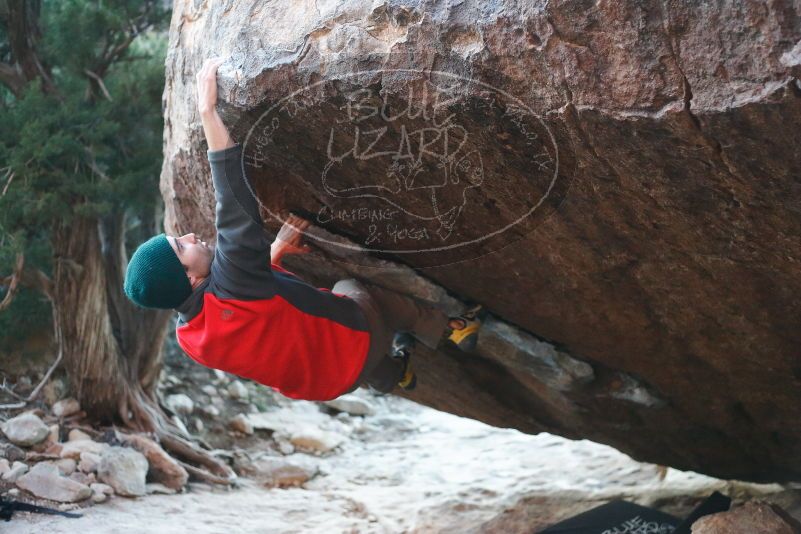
751, 518
617, 182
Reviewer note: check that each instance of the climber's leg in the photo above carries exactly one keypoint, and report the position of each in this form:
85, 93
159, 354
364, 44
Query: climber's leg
405, 314
381, 371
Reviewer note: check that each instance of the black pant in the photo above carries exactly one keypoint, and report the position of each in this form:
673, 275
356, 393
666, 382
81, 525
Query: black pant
389, 312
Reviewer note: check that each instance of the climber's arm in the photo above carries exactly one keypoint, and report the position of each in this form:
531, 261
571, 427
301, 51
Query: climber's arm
216, 133
240, 258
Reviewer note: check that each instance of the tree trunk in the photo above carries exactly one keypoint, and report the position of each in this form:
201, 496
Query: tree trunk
112, 351
111, 348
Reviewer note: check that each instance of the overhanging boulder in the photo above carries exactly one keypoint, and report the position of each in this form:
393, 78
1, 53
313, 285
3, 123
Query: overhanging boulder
617, 182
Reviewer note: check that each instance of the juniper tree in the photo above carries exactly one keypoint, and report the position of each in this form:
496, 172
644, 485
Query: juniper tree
80, 154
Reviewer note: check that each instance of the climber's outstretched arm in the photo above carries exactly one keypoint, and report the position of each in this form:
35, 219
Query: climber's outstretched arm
215, 130
240, 268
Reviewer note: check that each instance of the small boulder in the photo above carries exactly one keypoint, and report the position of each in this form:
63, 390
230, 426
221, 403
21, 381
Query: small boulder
281, 472
351, 404
90, 461
312, 439
123, 469
180, 403
11, 452
66, 466
73, 449
84, 478
17, 470
221, 376
105, 489
25, 430
211, 410
76, 434
5, 467
210, 390
285, 447
155, 487
241, 424
52, 435
66, 407
54, 449
237, 390
45, 481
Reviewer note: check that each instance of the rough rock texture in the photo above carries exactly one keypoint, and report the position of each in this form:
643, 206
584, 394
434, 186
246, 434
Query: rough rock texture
617, 182
124, 470
44, 480
751, 518
25, 430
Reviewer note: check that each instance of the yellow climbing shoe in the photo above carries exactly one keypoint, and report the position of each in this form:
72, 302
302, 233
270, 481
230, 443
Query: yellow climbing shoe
402, 346
466, 337
409, 381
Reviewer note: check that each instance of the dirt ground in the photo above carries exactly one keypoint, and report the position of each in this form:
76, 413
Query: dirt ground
403, 468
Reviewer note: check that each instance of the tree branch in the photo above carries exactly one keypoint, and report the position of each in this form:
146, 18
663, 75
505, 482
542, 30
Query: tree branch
8, 183
15, 278
33, 279
100, 83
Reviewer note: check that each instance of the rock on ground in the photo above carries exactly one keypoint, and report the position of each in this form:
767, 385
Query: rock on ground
76, 434
180, 403
237, 390
351, 404
25, 430
155, 487
124, 470
44, 480
66, 407
16, 470
73, 449
241, 423
281, 472
312, 439
89, 462
66, 466
11, 452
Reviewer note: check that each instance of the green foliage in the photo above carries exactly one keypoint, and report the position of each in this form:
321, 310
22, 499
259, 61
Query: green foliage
29, 312
79, 153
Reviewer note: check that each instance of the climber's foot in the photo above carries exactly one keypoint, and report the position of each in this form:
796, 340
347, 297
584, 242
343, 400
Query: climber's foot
463, 330
409, 380
402, 346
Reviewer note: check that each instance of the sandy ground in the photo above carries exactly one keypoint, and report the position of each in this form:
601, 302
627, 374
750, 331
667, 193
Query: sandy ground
409, 469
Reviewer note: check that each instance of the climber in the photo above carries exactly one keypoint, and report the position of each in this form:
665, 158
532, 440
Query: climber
257, 320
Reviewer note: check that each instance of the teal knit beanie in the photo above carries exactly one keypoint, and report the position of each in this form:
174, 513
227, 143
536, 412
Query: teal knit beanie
155, 277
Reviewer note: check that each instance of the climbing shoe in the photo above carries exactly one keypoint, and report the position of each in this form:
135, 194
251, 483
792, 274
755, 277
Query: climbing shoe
466, 336
409, 380
402, 346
